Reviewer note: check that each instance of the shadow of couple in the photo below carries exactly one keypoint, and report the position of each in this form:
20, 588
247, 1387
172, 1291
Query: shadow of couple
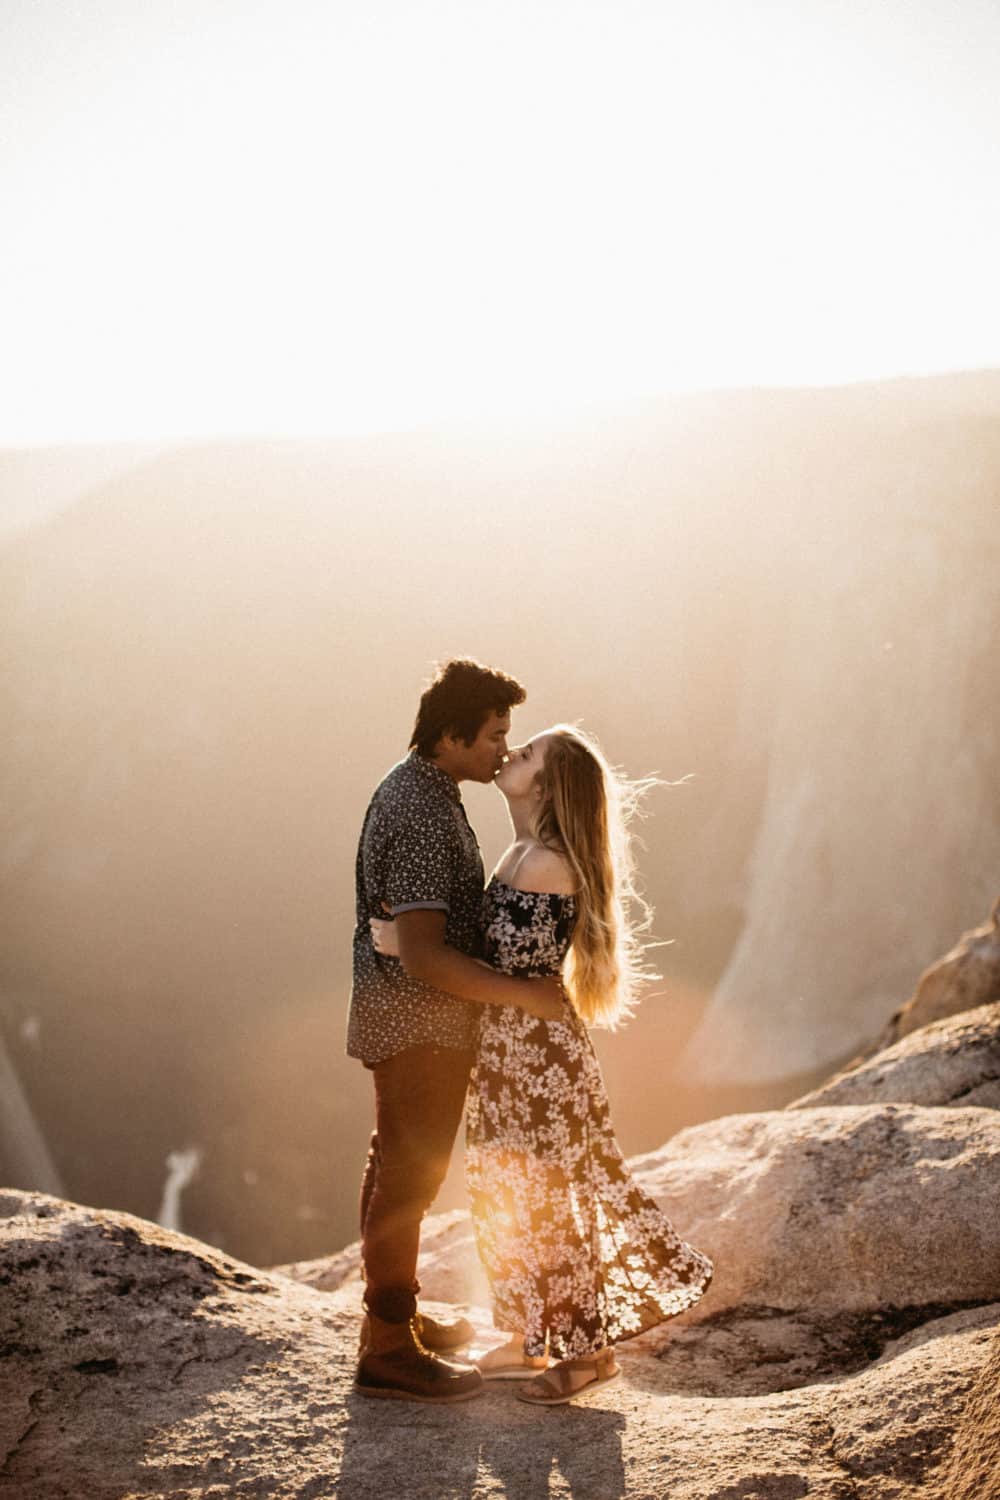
491, 1446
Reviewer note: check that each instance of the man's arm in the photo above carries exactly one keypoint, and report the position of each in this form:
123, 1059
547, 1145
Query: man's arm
426, 956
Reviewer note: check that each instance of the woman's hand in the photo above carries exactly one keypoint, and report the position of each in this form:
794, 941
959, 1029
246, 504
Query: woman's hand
384, 937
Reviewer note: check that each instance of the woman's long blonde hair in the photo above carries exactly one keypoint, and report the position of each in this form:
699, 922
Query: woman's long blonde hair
583, 813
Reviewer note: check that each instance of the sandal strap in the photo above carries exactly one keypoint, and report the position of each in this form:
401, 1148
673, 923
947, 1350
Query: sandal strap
598, 1363
562, 1385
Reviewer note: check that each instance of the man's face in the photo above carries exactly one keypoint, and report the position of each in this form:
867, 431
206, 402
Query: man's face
481, 760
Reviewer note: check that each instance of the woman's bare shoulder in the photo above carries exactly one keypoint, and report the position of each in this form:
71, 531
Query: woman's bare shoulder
545, 871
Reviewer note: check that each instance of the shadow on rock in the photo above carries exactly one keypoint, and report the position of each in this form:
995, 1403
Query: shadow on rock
437, 1452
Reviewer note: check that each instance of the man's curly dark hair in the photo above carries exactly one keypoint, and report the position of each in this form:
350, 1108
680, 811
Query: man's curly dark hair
459, 701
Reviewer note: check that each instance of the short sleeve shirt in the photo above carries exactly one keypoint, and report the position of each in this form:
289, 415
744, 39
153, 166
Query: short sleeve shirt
417, 851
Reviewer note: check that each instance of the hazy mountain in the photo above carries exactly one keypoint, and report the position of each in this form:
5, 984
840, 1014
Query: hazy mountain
36, 483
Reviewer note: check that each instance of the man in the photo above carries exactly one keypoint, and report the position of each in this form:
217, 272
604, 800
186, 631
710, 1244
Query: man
413, 1019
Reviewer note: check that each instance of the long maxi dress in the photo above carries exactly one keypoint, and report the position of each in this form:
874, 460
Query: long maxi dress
577, 1254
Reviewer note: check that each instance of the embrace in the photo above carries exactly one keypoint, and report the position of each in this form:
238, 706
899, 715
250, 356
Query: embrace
488, 993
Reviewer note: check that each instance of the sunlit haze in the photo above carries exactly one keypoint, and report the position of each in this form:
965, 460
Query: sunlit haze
323, 217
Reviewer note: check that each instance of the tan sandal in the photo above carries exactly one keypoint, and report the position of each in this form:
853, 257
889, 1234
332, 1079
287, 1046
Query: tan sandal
555, 1386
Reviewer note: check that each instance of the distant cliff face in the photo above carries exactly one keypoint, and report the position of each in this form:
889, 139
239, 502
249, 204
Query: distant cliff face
871, 706
211, 659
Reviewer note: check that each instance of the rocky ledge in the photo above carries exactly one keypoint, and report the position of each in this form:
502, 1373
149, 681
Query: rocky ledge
849, 1348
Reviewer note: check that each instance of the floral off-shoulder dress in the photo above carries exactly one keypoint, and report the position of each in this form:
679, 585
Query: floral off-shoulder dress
576, 1253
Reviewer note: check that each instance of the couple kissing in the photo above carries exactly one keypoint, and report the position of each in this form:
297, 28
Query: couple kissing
476, 998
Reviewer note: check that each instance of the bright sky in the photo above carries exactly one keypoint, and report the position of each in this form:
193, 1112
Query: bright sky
280, 216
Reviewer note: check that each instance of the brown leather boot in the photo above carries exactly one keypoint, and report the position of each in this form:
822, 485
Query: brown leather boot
436, 1336
439, 1337
397, 1367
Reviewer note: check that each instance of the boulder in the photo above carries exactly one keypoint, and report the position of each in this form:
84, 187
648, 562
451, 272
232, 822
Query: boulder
136, 1362
951, 1062
967, 977
814, 1208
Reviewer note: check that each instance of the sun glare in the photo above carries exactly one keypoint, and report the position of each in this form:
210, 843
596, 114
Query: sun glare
339, 217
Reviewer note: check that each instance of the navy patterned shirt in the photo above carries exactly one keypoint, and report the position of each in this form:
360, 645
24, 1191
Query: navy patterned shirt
417, 851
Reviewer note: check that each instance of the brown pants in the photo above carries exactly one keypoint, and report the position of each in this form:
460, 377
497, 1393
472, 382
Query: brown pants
419, 1098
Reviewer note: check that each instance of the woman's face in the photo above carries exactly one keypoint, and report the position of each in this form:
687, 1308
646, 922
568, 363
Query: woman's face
516, 777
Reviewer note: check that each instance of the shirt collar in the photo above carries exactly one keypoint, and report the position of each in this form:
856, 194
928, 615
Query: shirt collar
435, 775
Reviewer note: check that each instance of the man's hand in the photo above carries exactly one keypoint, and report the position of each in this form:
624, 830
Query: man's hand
544, 999
384, 938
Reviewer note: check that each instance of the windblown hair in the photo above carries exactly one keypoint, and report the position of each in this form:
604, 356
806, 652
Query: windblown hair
460, 700
584, 814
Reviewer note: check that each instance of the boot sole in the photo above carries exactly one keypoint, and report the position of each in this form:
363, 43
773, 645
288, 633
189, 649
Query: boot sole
388, 1393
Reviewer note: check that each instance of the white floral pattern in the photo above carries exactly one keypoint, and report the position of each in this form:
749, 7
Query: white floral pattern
576, 1253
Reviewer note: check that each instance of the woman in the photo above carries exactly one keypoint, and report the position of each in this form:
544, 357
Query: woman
577, 1255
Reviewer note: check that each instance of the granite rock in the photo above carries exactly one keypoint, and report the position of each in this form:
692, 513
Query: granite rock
137, 1363
967, 977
